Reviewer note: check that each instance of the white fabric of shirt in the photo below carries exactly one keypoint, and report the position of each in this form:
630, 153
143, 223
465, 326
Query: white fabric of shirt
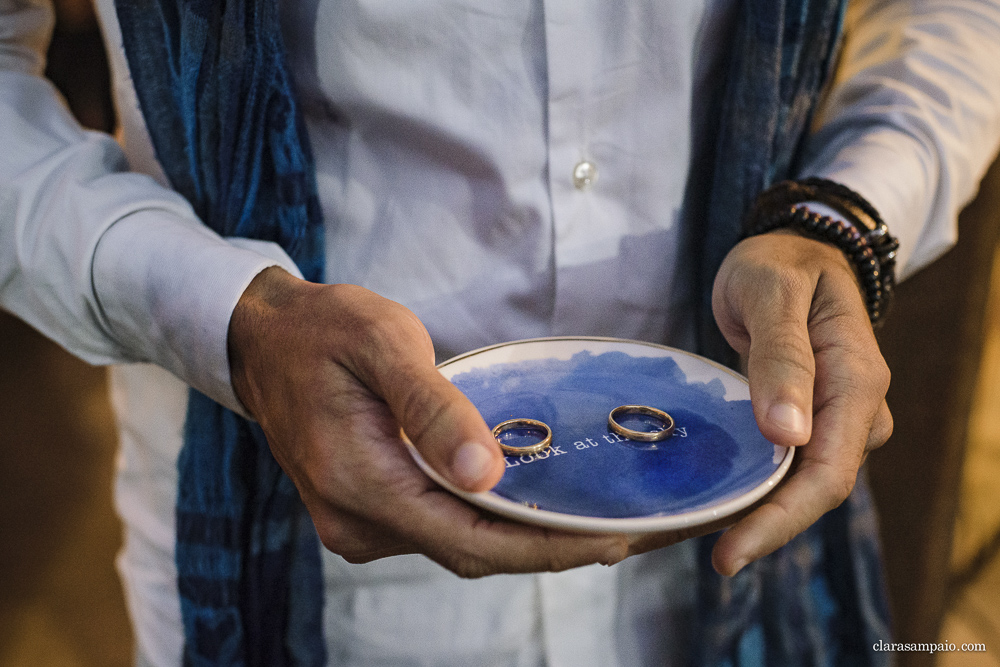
446, 133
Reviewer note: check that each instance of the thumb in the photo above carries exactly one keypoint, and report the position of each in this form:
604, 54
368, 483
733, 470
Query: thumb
781, 370
443, 425
446, 429
766, 321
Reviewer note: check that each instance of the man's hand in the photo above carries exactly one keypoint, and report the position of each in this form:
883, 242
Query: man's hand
792, 309
332, 373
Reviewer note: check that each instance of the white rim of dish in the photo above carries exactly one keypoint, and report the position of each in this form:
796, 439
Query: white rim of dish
646, 524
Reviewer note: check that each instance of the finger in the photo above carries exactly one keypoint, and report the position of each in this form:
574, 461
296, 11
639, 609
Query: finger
779, 358
648, 542
820, 481
811, 491
851, 415
444, 426
781, 375
447, 430
473, 543
424, 518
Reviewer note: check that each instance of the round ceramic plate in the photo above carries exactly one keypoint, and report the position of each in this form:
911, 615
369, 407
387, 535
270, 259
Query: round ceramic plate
715, 464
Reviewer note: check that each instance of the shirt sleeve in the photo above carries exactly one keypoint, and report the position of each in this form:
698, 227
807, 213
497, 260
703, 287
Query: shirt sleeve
912, 119
109, 264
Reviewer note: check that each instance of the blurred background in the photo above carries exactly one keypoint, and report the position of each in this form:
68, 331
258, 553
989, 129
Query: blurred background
937, 481
60, 600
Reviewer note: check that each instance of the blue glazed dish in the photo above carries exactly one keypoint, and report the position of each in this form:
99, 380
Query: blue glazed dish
716, 462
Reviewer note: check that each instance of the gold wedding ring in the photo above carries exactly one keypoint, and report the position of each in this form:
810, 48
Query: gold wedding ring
642, 436
534, 424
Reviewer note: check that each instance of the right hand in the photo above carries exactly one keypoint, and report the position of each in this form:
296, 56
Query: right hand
332, 373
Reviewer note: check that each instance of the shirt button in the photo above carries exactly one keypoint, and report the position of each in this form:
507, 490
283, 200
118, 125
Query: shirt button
584, 175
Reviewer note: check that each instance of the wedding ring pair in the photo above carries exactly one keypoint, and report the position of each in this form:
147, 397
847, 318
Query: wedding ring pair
665, 430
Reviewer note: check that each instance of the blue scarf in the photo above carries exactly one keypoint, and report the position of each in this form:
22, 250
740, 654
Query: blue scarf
821, 599
780, 58
218, 101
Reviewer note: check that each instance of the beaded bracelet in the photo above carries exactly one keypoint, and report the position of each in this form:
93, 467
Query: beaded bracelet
862, 236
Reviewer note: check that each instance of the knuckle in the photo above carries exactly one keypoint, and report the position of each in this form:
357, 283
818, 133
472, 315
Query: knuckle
558, 562
789, 345
873, 372
773, 283
887, 427
392, 330
836, 318
787, 349
334, 539
384, 334
881, 430
883, 375
788, 281
348, 544
467, 566
419, 410
465, 559
471, 570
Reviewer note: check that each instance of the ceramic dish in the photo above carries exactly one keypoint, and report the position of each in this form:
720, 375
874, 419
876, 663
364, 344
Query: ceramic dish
715, 463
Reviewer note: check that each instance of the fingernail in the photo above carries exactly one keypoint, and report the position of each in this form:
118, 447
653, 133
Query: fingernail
788, 417
471, 463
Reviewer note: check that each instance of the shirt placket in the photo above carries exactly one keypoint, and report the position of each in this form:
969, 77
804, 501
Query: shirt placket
577, 607
574, 169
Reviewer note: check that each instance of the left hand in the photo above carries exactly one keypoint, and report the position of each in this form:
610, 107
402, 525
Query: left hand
792, 308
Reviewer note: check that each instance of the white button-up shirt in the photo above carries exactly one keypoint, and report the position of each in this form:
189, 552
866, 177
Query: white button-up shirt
505, 170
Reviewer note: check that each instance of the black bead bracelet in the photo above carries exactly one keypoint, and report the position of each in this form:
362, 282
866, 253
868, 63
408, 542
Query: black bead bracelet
862, 236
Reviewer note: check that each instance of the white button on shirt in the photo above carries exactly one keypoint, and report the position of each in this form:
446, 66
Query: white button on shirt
584, 174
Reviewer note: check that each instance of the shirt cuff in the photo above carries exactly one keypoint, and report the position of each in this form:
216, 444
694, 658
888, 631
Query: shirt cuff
166, 287
900, 179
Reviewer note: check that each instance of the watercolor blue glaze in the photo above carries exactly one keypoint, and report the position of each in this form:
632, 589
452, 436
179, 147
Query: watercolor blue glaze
716, 453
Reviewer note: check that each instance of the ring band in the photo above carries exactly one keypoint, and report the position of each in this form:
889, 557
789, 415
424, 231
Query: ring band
511, 424
642, 436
